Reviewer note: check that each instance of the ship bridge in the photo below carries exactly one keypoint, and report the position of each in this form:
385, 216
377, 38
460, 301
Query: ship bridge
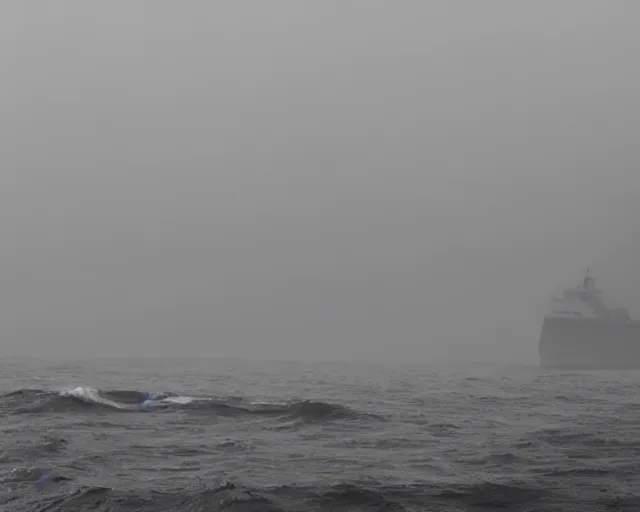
584, 301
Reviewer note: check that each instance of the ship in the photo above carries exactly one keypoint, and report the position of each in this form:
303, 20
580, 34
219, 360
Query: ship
580, 332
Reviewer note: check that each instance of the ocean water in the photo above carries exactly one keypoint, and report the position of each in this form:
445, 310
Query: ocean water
241, 436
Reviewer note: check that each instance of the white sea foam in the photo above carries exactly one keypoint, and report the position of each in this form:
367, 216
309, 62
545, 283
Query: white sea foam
90, 395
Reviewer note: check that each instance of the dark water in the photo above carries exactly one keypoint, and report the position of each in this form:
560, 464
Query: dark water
298, 437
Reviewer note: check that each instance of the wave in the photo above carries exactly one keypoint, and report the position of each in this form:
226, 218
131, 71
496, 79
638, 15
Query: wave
87, 399
223, 495
595, 441
76, 399
496, 495
499, 460
46, 446
32, 475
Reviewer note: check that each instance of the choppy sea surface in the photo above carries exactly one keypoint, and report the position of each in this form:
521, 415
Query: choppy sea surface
218, 435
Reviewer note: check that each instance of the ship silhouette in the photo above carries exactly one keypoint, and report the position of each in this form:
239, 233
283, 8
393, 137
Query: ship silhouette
580, 332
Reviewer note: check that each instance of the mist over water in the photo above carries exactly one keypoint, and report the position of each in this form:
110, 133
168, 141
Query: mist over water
399, 184
312, 182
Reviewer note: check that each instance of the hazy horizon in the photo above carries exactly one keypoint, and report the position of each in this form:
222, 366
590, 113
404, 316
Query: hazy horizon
312, 181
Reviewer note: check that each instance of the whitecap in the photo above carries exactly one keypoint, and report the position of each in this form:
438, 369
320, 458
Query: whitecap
90, 395
180, 400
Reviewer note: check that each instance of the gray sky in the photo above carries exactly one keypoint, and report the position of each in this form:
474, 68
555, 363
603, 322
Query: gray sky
312, 179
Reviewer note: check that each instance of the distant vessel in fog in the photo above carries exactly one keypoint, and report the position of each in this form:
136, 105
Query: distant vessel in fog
580, 332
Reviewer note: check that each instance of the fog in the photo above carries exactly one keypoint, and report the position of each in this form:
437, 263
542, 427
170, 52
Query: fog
328, 180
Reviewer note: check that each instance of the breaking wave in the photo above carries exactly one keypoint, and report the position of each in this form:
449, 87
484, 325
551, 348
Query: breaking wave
87, 399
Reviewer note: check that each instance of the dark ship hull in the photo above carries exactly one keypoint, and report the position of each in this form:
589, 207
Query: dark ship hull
589, 343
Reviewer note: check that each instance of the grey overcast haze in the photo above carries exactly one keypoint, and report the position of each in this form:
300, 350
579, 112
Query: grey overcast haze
312, 180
